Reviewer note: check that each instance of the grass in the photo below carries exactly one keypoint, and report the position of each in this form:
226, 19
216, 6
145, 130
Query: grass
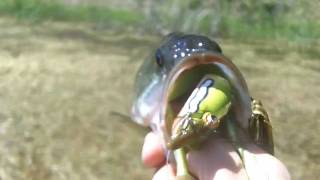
61, 84
307, 31
251, 22
40, 10
57, 97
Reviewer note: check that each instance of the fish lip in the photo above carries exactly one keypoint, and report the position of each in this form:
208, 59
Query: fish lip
232, 73
143, 118
137, 116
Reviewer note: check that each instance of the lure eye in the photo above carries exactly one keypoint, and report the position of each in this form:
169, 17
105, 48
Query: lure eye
159, 58
211, 120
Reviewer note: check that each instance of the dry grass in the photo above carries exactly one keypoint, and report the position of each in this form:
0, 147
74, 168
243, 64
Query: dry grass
288, 83
60, 84
58, 87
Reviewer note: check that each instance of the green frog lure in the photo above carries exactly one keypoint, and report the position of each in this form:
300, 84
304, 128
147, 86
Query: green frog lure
189, 91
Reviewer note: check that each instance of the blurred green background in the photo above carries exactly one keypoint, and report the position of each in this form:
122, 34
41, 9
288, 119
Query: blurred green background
66, 78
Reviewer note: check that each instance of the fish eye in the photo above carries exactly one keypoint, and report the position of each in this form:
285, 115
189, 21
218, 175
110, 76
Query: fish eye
159, 58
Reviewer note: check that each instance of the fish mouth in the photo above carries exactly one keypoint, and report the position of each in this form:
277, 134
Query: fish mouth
184, 77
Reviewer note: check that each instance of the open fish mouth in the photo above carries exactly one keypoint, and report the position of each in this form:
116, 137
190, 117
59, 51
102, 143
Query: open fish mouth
160, 98
184, 77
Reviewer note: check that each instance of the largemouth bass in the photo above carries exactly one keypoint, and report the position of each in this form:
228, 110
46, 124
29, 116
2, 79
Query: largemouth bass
166, 82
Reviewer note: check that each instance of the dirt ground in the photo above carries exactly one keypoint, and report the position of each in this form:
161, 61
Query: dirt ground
61, 85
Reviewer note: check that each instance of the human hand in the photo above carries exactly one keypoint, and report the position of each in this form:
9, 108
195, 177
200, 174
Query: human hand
217, 159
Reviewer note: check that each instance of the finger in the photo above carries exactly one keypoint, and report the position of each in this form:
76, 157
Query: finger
261, 164
152, 151
166, 172
216, 160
